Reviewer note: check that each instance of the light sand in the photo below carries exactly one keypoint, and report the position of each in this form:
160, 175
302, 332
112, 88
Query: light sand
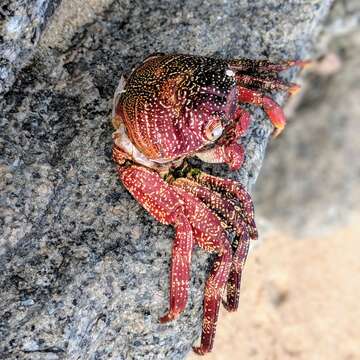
300, 300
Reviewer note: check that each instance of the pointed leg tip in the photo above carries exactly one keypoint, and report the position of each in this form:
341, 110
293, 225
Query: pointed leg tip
199, 350
275, 113
306, 64
301, 63
168, 317
254, 235
229, 307
294, 89
277, 131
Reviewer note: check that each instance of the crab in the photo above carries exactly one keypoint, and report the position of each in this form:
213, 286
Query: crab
175, 106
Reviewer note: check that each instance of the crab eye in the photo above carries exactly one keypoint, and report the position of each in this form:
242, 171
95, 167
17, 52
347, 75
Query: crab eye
214, 130
217, 132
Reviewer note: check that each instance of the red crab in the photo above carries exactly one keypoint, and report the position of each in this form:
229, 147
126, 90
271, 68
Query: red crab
175, 106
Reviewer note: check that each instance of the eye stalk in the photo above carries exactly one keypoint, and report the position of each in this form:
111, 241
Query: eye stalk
214, 129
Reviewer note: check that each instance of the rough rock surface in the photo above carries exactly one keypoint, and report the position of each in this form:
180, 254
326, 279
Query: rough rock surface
312, 187
84, 270
22, 23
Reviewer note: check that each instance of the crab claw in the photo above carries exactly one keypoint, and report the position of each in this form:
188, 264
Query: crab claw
272, 108
275, 113
233, 155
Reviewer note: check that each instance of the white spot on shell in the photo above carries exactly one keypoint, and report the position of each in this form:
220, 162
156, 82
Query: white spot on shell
229, 73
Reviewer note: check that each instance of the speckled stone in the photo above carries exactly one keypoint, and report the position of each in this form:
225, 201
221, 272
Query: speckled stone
314, 166
22, 23
84, 269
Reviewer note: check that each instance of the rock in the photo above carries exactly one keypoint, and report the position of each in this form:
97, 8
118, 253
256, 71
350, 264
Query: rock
84, 269
22, 24
307, 185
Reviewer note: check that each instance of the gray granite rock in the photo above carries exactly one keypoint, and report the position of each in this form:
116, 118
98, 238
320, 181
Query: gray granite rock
84, 269
22, 23
310, 179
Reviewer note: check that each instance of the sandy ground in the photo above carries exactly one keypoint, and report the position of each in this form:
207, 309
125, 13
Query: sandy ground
300, 300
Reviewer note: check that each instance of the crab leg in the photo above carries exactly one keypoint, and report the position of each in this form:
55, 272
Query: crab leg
272, 109
173, 205
231, 190
247, 73
226, 209
165, 205
255, 66
217, 280
209, 235
223, 207
266, 83
241, 244
180, 268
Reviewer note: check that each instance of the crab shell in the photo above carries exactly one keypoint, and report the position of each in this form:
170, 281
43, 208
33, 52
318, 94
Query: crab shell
173, 106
